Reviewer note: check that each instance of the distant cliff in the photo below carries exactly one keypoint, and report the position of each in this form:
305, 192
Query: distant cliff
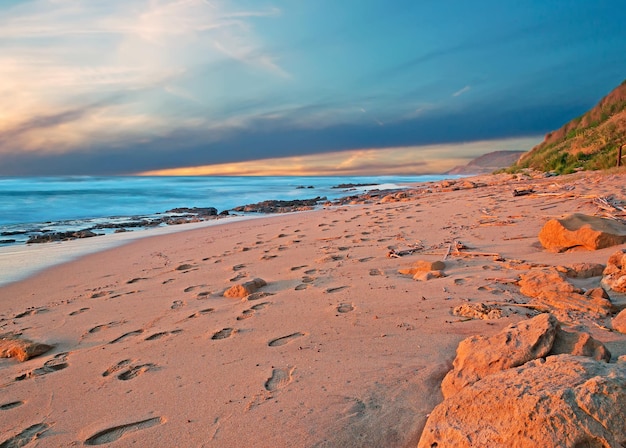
589, 142
488, 163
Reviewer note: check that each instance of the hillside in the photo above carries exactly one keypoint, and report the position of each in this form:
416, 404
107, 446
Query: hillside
488, 163
589, 142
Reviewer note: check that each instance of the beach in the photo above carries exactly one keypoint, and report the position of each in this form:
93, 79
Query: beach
335, 348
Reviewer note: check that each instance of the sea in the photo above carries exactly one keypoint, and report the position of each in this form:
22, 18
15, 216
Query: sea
38, 205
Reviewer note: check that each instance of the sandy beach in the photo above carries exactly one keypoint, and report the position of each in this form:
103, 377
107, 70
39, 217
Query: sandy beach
338, 349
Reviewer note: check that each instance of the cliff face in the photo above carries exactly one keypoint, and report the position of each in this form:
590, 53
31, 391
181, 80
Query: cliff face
589, 142
488, 163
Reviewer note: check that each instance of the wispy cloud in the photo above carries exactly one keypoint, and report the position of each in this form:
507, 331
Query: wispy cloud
138, 51
462, 91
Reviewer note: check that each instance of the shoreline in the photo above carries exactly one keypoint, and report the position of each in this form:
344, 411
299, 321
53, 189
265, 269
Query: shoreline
337, 347
19, 262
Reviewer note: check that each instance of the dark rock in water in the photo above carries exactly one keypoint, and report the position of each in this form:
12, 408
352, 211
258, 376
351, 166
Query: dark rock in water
198, 211
15, 232
7, 241
345, 186
224, 213
302, 187
276, 206
61, 236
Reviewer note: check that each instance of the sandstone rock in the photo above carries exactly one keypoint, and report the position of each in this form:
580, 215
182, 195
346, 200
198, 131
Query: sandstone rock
584, 270
429, 275
245, 289
423, 266
615, 272
564, 401
12, 346
579, 344
619, 322
478, 311
479, 356
590, 232
550, 289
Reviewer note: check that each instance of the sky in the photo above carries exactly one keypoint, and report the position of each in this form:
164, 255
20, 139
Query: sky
320, 87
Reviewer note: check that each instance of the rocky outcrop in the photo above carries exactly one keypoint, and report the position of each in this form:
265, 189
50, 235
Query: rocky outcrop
552, 291
566, 401
12, 346
480, 356
277, 206
615, 272
579, 344
245, 289
578, 230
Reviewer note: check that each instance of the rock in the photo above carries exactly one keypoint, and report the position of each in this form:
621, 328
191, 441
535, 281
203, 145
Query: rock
615, 272
479, 356
565, 401
428, 275
245, 289
584, 270
576, 230
579, 344
619, 322
549, 288
277, 206
423, 266
11, 346
478, 311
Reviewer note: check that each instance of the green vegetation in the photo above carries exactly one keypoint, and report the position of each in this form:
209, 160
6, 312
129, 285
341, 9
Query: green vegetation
588, 142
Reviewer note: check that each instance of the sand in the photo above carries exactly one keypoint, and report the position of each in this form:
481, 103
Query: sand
338, 349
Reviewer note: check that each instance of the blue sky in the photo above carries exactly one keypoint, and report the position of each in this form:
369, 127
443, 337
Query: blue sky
129, 86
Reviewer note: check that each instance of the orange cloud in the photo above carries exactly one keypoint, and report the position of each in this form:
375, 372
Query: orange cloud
376, 161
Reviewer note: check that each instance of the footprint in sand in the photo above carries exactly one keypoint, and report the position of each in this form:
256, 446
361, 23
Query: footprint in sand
162, 334
376, 272
223, 334
77, 312
177, 304
135, 371
301, 287
59, 362
297, 268
30, 313
98, 328
259, 306
238, 267
307, 279
25, 437
337, 289
126, 335
284, 339
112, 434
135, 280
345, 307
119, 366
185, 267
246, 314
201, 313
279, 378
13, 404
258, 295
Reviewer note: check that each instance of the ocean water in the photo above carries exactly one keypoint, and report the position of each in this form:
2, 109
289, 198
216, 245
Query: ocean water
34, 205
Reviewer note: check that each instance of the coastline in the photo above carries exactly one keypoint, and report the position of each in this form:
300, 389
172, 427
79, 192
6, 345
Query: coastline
338, 349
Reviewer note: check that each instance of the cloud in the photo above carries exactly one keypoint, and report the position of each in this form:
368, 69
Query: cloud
143, 53
462, 91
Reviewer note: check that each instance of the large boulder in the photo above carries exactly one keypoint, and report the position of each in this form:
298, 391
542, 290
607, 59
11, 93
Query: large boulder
619, 322
615, 272
578, 230
480, 356
565, 401
550, 289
